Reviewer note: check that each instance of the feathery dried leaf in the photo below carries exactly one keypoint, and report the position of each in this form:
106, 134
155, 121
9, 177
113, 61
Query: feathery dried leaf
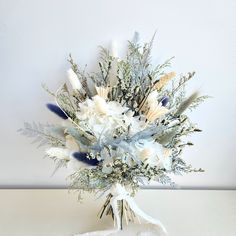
185, 104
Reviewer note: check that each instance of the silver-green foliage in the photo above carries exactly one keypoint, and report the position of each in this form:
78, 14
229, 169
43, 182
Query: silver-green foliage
136, 78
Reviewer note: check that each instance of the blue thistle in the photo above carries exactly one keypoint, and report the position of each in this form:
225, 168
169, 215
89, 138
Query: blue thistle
57, 110
82, 156
164, 101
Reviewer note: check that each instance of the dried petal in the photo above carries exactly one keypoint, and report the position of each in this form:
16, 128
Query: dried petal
156, 112
102, 91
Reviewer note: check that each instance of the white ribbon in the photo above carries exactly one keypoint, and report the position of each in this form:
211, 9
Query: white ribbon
119, 193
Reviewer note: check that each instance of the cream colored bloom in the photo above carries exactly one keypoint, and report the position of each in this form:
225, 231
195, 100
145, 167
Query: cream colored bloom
153, 153
74, 80
152, 98
154, 110
102, 91
164, 80
103, 117
100, 105
148, 151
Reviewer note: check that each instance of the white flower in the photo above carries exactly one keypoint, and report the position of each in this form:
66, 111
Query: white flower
100, 105
153, 153
103, 117
74, 80
102, 91
154, 110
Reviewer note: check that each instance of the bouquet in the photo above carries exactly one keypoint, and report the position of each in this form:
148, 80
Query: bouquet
123, 126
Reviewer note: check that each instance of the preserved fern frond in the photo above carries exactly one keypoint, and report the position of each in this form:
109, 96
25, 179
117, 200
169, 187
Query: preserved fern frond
199, 100
41, 134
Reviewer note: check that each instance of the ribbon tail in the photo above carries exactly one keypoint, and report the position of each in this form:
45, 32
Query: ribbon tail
98, 233
114, 204
145, 216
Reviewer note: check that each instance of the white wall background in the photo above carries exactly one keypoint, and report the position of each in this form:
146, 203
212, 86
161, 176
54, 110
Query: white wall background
37, 36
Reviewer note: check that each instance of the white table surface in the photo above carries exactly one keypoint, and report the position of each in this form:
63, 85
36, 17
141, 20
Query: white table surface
46, 212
